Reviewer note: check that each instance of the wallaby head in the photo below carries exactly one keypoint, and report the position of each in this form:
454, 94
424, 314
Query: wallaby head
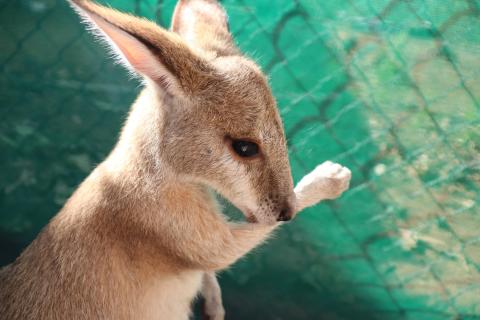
220, 124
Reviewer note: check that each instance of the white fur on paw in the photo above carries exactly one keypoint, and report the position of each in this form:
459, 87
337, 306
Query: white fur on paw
328, 181
214, 310
212, 294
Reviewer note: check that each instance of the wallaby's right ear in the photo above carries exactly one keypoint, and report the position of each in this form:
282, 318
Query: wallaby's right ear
204, 24
147, 49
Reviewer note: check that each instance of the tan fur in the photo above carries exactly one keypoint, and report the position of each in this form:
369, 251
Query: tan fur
136, 238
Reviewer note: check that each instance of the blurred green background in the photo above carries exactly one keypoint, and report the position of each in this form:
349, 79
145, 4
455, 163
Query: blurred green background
389, 88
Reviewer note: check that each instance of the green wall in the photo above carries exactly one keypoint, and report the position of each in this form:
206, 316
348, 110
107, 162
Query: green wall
390, 89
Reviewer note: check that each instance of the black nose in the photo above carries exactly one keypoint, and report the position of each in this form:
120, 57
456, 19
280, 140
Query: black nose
285, 214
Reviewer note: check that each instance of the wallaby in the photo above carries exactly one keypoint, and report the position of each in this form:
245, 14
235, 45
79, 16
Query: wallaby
141, 233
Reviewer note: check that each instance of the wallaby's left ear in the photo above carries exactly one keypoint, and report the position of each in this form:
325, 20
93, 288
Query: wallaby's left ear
204, 24
147, 49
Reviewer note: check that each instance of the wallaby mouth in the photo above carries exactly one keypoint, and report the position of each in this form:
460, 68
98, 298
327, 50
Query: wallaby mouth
286, 214
250, 217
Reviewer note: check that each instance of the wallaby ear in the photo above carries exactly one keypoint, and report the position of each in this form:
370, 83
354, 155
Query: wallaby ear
204, 24
147, 49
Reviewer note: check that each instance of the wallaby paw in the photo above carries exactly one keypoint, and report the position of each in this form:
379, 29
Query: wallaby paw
327, 181
332, 178
212, 294
213, 311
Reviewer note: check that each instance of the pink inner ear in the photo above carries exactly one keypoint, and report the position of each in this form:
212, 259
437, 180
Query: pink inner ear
129, 48
133, 54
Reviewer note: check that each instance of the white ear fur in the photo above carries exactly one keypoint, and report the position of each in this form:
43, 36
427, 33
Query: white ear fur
128, 50
204, 24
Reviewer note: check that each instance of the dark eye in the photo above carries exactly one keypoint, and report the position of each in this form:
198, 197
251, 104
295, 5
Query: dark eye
245, 149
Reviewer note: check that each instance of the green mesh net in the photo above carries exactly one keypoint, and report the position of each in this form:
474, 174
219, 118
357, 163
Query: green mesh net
388, 88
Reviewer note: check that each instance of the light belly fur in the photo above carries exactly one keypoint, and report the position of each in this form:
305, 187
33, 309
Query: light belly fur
170, 297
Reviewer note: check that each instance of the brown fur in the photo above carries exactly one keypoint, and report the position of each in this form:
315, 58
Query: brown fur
137, 236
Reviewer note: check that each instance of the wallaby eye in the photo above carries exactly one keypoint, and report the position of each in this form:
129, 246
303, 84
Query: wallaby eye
245, 149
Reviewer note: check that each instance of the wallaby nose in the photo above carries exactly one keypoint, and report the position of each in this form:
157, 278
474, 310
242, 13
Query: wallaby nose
286, 213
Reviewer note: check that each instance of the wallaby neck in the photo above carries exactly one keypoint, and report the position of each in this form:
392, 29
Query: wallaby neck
136, 171
137, 158
134, 194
